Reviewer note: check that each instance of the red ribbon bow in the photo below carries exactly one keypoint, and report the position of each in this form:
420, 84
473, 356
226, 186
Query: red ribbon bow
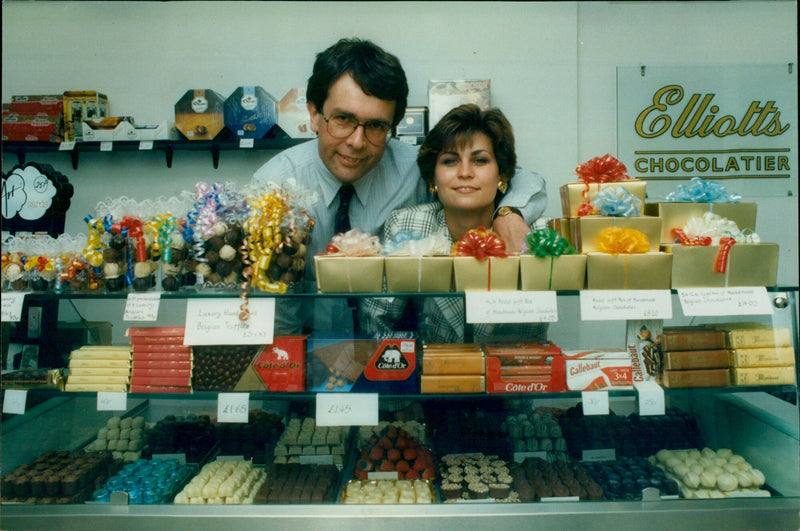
605, 169
480, 243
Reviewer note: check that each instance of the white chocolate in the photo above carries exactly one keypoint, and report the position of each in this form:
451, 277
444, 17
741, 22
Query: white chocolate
727, 482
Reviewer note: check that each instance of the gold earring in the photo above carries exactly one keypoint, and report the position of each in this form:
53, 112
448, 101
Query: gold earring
433, 189
502, 186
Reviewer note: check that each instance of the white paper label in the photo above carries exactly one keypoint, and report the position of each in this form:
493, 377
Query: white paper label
106, 146
142, 306
651, 398
601, 454
595, 402
725, 301
218, 323
347, 409
107, 401
246, 143
12, 306
145, 145
511, 306
66, 145
519, 457
233, 407
611, 305
14, 401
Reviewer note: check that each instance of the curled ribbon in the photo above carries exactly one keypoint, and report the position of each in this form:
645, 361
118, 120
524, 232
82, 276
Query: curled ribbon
133, 228
702, 191
617, 202
683, 239
354, 242
547, 242
411, 243
721, 263
263, 237
615, 240
93, 252
605, 169
480, 243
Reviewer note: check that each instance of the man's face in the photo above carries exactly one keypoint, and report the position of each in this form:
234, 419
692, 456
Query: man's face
349, 158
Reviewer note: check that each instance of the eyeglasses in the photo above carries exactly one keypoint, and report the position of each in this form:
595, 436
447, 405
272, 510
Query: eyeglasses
344, 125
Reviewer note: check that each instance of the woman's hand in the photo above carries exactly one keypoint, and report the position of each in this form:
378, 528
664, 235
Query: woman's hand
512, 229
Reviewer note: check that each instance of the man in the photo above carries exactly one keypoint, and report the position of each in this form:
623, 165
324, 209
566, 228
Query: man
356, 94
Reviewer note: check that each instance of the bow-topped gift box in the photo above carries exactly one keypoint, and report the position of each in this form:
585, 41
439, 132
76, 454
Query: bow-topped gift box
352, 264
481, 263
596, 175
418, 265
551, 263
625, 262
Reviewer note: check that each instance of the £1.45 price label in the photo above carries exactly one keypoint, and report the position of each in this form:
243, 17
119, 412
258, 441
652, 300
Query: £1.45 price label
233, 407
347, 409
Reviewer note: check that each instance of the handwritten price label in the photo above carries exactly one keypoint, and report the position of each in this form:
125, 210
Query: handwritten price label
66, 146
611, 305
347, 409
595, 402
12, 306
219, 323
651, 398
246, 143
725, 301
145, 145
107, 401
511, 306
14, 401
233, 407
142, 306
106, 146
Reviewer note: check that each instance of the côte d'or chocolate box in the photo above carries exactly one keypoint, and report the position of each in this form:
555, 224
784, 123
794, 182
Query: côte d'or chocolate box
199, 114
250, 112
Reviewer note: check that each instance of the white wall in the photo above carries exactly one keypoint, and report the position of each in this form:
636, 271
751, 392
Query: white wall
552, 66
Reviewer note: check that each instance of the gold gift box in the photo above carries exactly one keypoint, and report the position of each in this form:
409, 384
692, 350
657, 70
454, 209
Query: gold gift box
572, 193
565, 272
677, 215
418, 273
628, 271
588, 229
349, 274
749, 264
564, 227
493, 274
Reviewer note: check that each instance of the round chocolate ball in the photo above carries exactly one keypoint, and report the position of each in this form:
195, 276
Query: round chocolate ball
212, 257
39, 284
19, 285
223, 268
214, 278
189, 279
111, 255
118, 241
141, 283
170, 283
115, 284
215, 243
234, 236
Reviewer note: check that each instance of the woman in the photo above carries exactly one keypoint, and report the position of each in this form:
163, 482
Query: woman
467, 160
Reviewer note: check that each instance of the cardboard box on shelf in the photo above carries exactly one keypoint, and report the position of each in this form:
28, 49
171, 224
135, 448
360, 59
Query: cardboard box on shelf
365, 363
628, 271
695, 378
43, 128
444, 95
493, 273
418, 273
49, 104
349, 274
414, 122
199, 114
293, 115
79, 106
748, 264
565, 272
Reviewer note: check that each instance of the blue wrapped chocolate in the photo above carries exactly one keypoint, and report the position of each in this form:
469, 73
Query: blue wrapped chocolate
250, 112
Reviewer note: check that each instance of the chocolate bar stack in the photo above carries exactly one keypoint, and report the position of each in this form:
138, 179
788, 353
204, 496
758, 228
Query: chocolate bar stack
99, 368
161, 362
693, 357
760, 355
453, 369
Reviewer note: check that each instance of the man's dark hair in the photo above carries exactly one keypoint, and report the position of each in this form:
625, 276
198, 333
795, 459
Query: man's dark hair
376, 71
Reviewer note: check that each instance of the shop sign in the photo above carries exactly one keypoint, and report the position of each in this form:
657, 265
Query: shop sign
733, 122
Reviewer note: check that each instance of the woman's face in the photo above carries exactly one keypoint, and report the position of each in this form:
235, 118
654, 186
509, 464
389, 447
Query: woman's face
467, 178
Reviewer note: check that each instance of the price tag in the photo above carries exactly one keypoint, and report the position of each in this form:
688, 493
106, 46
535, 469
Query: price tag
651, 398
725, 301
595, 402
66, 145
107, 401
106, 146
14, 401
601, 454
316, 459
219, 323
142, 306
519, 457
12, 306
233, 407
511, 306
246, 143
611, 305
145, 145
347, 409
